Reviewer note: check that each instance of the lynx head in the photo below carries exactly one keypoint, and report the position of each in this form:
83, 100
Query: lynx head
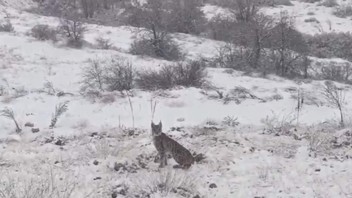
156, 129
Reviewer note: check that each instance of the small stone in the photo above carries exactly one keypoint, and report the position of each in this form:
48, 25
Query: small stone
119, 166
197, 196
114, 195
122, 192
56, 162
29, 124
324, 159
97, 178
35, 130
317, 170
93, 134
95, 162
59, 143
213, 185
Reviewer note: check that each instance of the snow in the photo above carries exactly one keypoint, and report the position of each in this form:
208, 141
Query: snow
242, 161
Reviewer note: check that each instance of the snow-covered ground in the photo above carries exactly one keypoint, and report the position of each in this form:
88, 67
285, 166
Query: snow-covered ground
79, 154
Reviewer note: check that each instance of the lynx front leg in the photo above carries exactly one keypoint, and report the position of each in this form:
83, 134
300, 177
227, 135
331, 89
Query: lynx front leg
162, 160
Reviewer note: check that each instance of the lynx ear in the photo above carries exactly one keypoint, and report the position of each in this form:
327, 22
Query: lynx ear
160, 124
152, 124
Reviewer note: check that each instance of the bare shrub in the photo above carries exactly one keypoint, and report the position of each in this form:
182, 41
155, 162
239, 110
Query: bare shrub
279, 125
59, 110
6, 27
93, 76
43, 186
8, 113
74, 31
343, 11
329, 3
165, 184
336, 97
44, 32
157, 45
119, 75
329, 45
185, 17
113, 75
188, 74
319, 138
334, 72
103, 43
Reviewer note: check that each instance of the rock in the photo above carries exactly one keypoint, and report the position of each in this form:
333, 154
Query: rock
97, 178
93, 134
122, 192
59, 143
317, 170
29, 124
35, 130
213, 185
119, 166
197, 196
95, 162
114, 195
56, 162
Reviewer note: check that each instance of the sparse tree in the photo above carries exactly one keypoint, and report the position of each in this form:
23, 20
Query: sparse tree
336, 97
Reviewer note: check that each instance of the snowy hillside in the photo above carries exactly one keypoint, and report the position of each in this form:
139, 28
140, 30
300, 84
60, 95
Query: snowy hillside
257, 141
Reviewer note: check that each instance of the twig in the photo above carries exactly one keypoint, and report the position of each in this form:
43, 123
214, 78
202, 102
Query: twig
131, 107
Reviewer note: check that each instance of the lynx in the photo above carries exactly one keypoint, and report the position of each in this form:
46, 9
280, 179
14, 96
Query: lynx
165, 145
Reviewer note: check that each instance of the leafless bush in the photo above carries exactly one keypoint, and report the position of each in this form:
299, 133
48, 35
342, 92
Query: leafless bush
158, 45
6, 27
319, 139
93, 76
74, 31
103, 43
8, 113
59, 110
165, 184
329, 3
188, 74
112, 75
334, 72
44, 32
336, 97
230, 121
279, 125
329, 45
43, 186
343, 11
119, 75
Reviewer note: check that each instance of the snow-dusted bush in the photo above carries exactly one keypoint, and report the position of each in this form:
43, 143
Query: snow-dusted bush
112, 75
167, 183
74, 30
119, 75
6, 27
187, 74
331, 45
279, 124
42, 186
44, 32
310, 1
158, 45
343, 11
329, 3
335, 72
171, 16
103, 43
